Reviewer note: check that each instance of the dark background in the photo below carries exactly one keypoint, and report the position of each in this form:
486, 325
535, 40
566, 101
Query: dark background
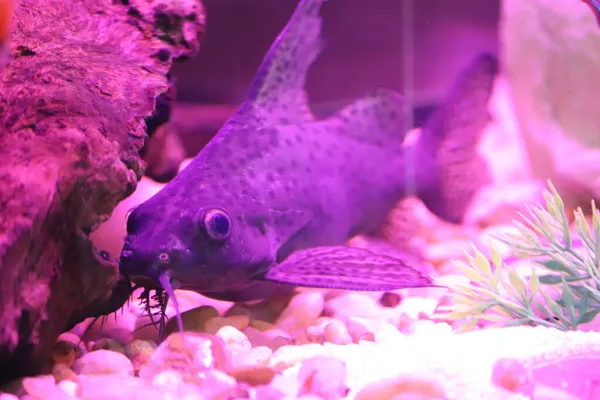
364, 40
364, 50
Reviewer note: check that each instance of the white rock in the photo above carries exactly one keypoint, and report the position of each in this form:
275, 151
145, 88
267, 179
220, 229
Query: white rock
102, 362
554, 89
69, 387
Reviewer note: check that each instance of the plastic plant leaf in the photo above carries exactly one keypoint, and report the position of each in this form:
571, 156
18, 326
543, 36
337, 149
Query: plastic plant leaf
588, 316
482, 263
501, 296
583, 305
593, 291
518, 284
534, 283
554, 265
518, 322
583, 228
510, 289
556, 279
494, 317
471, 273
496, 257
556, 310
468, 326
595, 219
557, 199
569, 302
497, 277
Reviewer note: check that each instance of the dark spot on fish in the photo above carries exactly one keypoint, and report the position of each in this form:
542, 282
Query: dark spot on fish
293, 163
270, 177
272, 195
227, 153
250, 173
284, 120
299, 138
134, 12
191, 17
287, 141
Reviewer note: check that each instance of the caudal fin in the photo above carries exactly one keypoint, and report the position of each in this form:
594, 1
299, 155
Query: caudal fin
450, 172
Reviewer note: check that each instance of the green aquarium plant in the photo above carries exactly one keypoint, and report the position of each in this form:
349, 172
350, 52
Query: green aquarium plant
565, 296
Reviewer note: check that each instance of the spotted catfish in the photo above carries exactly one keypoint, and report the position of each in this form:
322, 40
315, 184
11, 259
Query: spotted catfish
270, 202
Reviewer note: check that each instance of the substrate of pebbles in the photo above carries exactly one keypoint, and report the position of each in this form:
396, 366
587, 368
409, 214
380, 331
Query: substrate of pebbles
302, 354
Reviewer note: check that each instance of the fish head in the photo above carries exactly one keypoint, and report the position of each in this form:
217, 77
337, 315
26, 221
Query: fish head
212, 248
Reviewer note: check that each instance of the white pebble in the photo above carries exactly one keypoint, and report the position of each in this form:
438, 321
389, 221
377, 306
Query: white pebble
168, 378
104, 362
69, 387
388, 333
235, 340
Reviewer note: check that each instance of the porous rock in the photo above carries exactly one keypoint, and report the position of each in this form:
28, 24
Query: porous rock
551, 52
81, 78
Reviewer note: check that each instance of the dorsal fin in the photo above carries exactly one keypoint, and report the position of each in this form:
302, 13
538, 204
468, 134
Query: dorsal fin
277, 94
375, 118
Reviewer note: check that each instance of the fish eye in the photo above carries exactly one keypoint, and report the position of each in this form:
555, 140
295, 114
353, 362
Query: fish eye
218, 224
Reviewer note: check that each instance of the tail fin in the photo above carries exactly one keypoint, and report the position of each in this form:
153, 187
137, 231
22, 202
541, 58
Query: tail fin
450, 172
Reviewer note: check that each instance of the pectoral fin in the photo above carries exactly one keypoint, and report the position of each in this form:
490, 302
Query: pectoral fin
343, 267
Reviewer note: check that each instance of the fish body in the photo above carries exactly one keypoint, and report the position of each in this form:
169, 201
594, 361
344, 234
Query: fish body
270, 201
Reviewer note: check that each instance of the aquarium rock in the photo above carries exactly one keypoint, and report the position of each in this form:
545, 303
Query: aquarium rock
81, 78
551, 57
